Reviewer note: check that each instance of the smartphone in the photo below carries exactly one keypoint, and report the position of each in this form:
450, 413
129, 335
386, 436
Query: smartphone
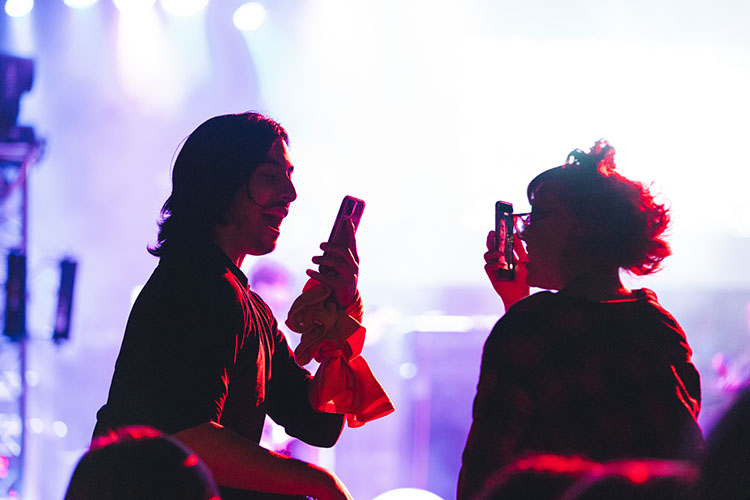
350, 210
504, 240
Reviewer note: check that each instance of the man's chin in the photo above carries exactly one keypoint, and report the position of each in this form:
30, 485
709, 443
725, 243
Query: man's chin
263, 249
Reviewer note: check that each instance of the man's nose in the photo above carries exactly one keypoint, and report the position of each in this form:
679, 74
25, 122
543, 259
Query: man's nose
290, 194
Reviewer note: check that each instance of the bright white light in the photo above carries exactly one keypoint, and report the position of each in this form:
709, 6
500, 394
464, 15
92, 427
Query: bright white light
146, 61
249, 17
60, 428
12, 427
407, 370
18, 8
407, 494
130, 6
183, 7
442, 323
80, 4
36, 425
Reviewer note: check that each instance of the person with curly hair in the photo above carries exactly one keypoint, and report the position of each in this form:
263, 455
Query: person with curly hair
587, 367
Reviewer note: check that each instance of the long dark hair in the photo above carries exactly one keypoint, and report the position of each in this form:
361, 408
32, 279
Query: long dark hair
215, 161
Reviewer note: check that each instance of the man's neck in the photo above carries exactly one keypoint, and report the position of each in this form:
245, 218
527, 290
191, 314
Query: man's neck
225, 244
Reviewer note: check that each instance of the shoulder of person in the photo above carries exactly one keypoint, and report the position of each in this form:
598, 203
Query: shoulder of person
522, 315
654, 309
533, 304
658, 327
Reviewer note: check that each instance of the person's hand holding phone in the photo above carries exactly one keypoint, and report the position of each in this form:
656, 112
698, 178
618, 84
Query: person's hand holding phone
339, 266
510, 291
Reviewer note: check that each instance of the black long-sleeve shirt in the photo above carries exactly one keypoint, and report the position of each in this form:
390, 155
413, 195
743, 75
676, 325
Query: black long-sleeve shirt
201, 346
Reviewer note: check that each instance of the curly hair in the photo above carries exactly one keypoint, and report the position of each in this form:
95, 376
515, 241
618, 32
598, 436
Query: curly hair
216, 160
622, 220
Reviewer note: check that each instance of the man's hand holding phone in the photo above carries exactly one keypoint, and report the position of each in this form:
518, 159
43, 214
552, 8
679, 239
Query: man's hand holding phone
339, 264
339, 267
510, 291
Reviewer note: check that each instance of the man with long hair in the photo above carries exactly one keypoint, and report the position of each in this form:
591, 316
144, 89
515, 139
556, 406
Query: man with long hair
202, 358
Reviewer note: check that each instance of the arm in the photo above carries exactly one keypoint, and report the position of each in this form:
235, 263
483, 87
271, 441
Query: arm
237, 462
510, 291
289, 404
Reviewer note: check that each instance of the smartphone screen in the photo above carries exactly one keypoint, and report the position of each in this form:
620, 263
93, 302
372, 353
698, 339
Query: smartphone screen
504, 240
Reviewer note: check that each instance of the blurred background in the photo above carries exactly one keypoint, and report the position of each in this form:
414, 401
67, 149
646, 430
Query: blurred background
430, 111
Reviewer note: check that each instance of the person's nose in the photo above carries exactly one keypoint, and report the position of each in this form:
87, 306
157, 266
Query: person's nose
289, 194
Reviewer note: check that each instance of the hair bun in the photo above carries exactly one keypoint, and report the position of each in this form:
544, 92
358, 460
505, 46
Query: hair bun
600, 157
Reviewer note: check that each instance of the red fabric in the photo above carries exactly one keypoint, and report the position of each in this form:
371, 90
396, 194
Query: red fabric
334, 337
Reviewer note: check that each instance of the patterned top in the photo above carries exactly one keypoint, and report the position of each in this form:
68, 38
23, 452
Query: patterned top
565, 375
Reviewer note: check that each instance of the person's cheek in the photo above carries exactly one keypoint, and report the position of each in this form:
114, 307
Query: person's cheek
260, 194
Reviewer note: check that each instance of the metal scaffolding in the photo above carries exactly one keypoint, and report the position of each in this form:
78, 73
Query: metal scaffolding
18, 154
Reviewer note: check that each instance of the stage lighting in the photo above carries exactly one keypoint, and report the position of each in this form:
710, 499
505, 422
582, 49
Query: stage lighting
80, 4
16, 76
64, 300
18, 8
36, 425
183, 7
407, 494
133, 6
15, 296
249, 17
60, 428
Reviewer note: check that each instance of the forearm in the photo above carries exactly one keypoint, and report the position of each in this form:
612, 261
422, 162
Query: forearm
239, 463
319, 429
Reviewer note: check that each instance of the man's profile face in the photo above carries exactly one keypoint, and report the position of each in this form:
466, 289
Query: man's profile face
258, 209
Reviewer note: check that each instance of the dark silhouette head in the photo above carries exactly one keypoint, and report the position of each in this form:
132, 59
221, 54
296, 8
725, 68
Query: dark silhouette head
536, 477
135, 463
216, 161
620, 221
724, 472
637, 479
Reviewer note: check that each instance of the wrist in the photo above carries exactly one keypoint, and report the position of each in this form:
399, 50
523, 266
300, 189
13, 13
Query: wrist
355, 307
